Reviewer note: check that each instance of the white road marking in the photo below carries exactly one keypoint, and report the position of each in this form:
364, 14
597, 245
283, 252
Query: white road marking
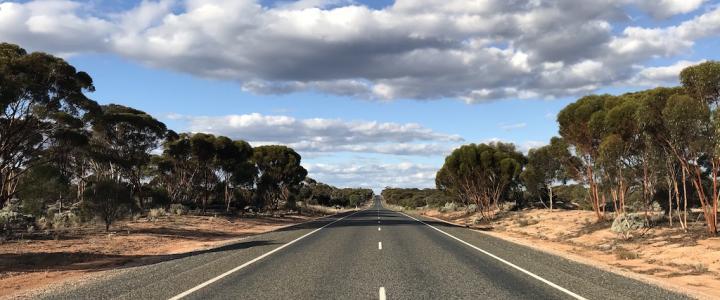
206, 283
378, 222
531, 274
379, 245
382, 293
378, 228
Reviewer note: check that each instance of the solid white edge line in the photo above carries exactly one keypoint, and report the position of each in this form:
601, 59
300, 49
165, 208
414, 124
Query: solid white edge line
211, 281
381, 293
531, 274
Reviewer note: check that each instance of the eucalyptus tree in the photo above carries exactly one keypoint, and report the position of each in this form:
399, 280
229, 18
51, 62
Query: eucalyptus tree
37, 90
702, 81
234, 166
621, 149
123, 138
279, 172
658, 154
702, 84
688, 124
204, 154
481, 173
581, 126
546, 165
175, 168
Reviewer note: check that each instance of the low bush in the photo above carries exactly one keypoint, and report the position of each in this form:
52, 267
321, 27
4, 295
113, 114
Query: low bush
156, 213
178, 209
625, 224
625, 254
523, 222
12, 221
449, 207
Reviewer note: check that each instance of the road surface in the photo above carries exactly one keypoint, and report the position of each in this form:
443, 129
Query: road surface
368, 254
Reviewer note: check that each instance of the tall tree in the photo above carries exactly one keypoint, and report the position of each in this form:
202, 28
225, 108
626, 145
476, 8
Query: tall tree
702, 83
581, 125
123, 139
481, 173
203, 152
37, 88
279, 172
234, 165
545, 166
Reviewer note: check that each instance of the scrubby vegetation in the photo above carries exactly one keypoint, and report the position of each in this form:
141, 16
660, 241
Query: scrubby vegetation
413, 198
67, 160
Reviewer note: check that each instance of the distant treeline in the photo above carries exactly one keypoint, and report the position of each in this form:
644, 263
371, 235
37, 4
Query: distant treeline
413, 198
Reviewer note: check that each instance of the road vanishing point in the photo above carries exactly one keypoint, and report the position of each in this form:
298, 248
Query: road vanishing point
373, 253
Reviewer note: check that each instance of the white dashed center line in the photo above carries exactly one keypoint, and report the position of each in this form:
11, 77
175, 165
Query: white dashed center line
378, 228
379, 245
382, 293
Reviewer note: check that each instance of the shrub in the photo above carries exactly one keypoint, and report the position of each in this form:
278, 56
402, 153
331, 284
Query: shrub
159, 197
178, 209
108, 200
472, 208
448, 207
625, 254
699, 268
523, 222
156, 213
626, 223
65, 219
14, 221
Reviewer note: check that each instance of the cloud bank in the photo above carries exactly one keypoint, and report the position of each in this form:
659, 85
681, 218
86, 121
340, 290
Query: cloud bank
326, 135
476, 51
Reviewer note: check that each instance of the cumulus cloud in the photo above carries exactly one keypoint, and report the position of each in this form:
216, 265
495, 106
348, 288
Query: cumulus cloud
326, 135
419, 49
375, 176
663, 75
667, 8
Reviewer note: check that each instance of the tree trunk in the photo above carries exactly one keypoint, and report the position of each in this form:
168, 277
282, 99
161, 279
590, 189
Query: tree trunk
670, 219
550, 194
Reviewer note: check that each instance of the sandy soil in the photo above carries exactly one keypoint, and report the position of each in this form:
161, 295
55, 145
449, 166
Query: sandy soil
26, 265
686, 262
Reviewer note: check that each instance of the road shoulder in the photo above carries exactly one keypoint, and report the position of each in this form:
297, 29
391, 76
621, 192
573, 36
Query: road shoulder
571, 252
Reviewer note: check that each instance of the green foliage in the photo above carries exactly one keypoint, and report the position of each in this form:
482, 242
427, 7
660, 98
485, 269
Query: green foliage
279, 172
702, 81
483, 174
108, 200
42, 185
547, 165
413, 198
38, 94
323, 194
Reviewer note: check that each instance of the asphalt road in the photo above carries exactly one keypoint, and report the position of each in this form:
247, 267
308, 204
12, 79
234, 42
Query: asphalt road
369, 254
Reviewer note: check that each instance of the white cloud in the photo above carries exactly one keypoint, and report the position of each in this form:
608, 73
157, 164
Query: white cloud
375, 176
667, 8
508, 127
326, 135
663, 75
419, 49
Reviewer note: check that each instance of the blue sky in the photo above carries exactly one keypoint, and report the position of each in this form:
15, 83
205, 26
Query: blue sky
371, 93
